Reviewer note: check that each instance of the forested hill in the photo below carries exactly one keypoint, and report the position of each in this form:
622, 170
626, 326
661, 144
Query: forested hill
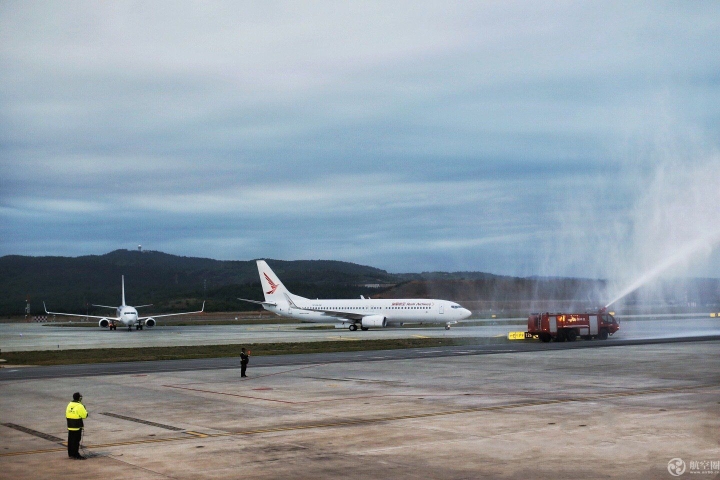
169, 282
174, 283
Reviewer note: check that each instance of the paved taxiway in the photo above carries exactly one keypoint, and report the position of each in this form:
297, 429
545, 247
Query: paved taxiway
35, 336
560, 412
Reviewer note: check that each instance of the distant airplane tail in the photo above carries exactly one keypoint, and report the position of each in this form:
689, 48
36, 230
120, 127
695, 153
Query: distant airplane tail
123, 290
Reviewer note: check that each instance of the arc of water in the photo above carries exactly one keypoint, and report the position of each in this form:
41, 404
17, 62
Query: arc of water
687, 251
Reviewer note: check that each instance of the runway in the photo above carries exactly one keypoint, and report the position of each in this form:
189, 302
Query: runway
614, 409
165, 366
34, 336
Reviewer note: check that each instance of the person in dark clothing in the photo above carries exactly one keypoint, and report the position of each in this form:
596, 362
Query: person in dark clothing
244, 359
74, 414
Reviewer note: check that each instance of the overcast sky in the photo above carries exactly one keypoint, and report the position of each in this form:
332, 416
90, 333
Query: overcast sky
529, 138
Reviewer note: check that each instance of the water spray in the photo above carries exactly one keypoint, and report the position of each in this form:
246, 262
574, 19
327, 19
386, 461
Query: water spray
707, 242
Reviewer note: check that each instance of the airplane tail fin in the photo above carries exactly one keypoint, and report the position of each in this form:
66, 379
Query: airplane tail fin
273, 288
123, 290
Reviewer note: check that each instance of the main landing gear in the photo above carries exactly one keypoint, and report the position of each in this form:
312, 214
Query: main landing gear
353, 327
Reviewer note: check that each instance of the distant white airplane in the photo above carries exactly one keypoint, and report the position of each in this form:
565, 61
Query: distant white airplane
124, 314
364, 313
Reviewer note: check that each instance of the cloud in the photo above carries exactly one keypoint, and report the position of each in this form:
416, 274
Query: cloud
406, 135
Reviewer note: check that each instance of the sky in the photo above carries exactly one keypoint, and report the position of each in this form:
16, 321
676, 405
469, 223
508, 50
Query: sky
519, 138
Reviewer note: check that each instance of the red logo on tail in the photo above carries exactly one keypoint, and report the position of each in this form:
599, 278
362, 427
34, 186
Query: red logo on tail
273, 285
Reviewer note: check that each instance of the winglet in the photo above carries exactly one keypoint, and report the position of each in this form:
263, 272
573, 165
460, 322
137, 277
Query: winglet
292, 304
46, 310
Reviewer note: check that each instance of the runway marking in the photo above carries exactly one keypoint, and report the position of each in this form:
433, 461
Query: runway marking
229, 394
255, 377
353, 379
35, 433
340, 399
420, 336
145, 422
414, 395
369, 421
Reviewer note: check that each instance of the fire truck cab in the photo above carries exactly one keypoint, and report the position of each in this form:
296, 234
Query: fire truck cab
569, 326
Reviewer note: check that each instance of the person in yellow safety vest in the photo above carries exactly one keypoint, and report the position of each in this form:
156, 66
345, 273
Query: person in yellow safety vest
74, 413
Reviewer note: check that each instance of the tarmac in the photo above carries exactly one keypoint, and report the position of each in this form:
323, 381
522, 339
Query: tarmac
630, 411
37, 336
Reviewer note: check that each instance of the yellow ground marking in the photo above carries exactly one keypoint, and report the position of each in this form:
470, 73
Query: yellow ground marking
191, 435
419, 336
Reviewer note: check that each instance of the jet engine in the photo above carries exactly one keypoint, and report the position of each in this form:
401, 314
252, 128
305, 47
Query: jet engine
104, 323
374, 321
150, 322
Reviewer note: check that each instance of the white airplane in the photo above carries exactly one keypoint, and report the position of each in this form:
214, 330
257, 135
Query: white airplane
124, 314
364, 313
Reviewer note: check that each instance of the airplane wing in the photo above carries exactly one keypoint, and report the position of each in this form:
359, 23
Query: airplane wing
272, 304
349, 316
76, 315
355, 317
172, 314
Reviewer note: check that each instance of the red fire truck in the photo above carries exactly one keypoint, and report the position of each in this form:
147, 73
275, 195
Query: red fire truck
569, 326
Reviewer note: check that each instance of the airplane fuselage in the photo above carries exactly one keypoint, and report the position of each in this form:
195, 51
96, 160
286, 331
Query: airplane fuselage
395, 311
127, 315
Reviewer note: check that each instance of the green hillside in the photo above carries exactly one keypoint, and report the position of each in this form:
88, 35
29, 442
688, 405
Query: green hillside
169, 282
174, 283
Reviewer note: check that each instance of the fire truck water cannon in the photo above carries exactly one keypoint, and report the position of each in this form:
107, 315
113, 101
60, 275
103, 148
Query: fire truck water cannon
562, 327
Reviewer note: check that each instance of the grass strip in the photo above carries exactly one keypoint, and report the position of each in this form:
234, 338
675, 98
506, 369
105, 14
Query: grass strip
138, 354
